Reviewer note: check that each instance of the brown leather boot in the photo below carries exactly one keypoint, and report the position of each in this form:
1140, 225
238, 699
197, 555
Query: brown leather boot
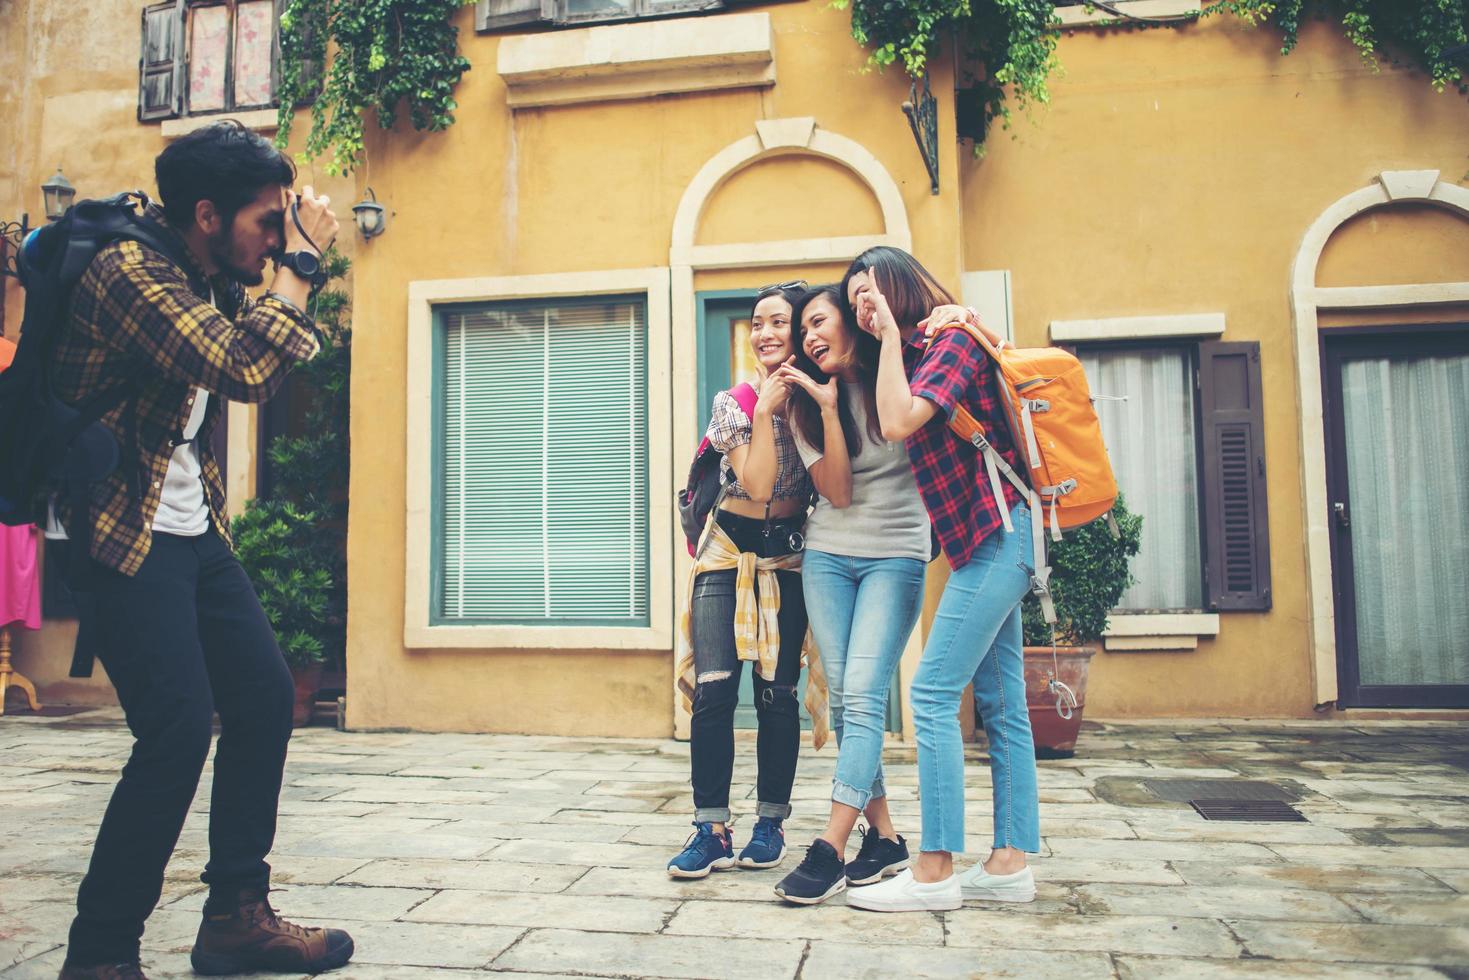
252, 938
109, 971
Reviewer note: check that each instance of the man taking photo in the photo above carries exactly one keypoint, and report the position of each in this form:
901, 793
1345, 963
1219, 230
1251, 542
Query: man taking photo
179, 627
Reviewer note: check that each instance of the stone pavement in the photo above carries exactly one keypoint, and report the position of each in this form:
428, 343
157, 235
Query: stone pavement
451, 856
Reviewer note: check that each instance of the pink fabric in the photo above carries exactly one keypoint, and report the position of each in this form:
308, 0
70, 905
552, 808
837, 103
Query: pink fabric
20, 577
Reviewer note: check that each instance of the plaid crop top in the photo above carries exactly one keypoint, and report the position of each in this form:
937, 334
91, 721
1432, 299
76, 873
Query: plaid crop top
730, 427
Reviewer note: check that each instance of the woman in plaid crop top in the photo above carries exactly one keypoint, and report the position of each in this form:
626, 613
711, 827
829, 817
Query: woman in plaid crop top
976, 633
746, 602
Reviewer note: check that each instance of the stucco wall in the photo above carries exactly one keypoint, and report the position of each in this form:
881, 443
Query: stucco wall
68, 97
1176, 171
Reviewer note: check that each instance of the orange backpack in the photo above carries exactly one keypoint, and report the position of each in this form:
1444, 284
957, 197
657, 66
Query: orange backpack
1048, 406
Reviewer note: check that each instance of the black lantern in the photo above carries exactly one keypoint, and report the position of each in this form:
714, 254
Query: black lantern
59, 195
372, 217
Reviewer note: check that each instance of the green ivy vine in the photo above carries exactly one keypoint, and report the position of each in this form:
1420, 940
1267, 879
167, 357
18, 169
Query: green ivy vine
383, 53
1006, 49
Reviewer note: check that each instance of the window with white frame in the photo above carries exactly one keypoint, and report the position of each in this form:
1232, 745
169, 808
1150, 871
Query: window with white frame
541, 463
1145, 400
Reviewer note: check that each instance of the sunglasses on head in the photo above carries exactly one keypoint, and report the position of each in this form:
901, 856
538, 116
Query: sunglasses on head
793, 284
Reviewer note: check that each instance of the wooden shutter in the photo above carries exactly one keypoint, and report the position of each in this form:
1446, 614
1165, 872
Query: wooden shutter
492, 15
1236, 528
161, 66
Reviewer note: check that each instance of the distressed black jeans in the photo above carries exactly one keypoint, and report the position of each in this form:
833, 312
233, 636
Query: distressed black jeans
718, 668
181, 640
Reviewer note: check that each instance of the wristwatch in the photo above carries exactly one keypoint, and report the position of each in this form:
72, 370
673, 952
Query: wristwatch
307, 265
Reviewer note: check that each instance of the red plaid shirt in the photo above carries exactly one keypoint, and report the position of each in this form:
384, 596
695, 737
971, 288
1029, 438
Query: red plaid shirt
955, 370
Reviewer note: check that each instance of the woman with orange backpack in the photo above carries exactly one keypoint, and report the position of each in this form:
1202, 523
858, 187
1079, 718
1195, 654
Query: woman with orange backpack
985, 531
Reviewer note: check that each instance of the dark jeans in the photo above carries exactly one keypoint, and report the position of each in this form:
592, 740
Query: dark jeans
182, 639
717, 669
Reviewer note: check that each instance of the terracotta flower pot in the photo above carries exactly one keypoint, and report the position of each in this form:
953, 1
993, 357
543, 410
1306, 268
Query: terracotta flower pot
1055, 737
308, 682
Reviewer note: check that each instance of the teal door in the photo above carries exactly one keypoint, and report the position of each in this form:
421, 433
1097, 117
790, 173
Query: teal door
725, 359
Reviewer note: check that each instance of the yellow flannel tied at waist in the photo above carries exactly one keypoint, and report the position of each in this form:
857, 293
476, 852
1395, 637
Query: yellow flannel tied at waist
756, 623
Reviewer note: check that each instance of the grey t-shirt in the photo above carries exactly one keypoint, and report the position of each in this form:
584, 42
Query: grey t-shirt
886, 518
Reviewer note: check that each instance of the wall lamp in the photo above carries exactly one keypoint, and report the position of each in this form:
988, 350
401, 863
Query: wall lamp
372, 217
59, 195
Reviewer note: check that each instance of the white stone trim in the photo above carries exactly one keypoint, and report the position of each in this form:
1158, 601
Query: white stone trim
1207, 325
630, 61
1162, 624
1307, 299
772, 137
1085, 16
987, 292
423, 295
258, 120
1149, 644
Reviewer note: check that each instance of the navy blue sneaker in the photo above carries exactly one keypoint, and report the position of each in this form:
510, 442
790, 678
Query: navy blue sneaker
767, 846
705, 851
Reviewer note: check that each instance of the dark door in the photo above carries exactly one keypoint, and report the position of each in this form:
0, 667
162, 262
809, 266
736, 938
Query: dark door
1397, 420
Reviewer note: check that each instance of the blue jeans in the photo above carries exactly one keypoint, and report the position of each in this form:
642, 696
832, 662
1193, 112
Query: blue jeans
976, 636
861, 612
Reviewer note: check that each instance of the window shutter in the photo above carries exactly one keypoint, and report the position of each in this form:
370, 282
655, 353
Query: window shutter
160, 69
542, 454
1236, 527
492, 15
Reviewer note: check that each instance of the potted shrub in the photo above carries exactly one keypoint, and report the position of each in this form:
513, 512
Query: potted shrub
293, 543
1089, 573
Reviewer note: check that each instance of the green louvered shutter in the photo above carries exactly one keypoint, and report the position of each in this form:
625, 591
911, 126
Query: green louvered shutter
542, 443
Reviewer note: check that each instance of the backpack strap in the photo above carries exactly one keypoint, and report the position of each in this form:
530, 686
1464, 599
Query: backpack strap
745, 396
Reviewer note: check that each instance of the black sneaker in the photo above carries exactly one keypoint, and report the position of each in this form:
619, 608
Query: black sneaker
819, 876
877, 858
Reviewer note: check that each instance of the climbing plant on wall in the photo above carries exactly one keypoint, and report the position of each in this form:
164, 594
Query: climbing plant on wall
385, 55
1006, 49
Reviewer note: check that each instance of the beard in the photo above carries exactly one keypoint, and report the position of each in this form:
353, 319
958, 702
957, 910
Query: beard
222, 251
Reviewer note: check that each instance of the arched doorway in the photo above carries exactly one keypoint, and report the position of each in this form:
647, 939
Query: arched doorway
1383, 378
708, 315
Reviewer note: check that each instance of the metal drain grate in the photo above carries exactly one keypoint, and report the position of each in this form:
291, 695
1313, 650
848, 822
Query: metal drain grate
1188, 790
1259, 811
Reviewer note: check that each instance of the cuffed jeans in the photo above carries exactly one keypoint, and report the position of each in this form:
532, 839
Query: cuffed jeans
717, 669
862, 610
976, 636
183, 638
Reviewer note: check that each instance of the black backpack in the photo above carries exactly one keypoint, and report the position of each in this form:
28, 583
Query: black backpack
48, 447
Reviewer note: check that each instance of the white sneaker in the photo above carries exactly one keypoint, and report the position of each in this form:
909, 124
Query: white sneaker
979, 883
902, 894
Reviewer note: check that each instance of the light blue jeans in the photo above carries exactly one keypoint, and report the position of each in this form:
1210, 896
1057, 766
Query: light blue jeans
976, 636
861, 612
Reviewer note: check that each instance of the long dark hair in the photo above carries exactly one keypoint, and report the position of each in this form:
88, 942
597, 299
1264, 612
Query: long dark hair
912, 291
804, 413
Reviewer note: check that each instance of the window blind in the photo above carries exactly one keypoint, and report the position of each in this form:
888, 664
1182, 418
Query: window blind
543, 464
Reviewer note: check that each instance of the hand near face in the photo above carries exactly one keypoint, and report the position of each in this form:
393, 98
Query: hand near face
825, 395
316, 218
873, 313
775, 392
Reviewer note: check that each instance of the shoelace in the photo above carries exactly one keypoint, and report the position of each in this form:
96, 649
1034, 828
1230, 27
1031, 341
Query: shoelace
701, 831
765, 833
870, 839
812, 861
262, 912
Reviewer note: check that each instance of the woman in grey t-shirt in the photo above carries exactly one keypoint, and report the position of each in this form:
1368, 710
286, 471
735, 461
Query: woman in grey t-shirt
867, 546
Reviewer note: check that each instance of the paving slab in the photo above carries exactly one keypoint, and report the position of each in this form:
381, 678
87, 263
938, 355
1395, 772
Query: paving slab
454, 856
654, 956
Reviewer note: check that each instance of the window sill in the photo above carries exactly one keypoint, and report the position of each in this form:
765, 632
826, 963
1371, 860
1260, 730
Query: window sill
1082, 16
640, 60
1203, 325
549, 638
1159, 631
257, 120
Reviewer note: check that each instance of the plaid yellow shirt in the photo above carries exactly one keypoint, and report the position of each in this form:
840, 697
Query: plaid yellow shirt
138, 316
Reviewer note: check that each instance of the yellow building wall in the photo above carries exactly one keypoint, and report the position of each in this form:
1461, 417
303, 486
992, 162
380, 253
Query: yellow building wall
69, 97
1176, 171
574, 189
